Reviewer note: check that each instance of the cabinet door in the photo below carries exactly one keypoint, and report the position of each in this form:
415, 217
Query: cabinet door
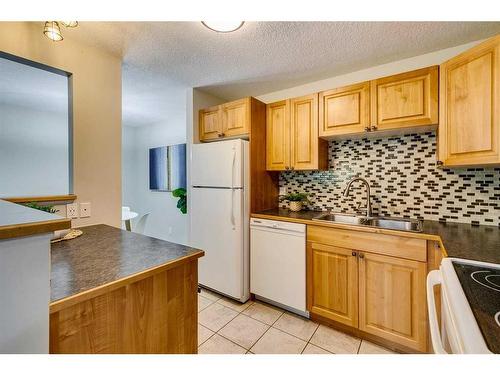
305, 144
278, 136
236, 118
345, 110
392, 300
405, 100
332, 283
469, 127
210, 123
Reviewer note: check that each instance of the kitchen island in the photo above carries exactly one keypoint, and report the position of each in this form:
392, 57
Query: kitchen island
114, 291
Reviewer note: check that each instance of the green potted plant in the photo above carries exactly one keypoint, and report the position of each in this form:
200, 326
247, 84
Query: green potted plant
296, 200
182, 202
36, 206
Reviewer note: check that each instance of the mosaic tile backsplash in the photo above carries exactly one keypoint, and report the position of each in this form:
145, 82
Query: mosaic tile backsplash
404, 180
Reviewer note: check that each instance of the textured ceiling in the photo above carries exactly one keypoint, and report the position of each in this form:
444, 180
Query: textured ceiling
163, 58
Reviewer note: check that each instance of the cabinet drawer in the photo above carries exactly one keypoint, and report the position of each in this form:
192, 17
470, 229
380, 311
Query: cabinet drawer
401, 247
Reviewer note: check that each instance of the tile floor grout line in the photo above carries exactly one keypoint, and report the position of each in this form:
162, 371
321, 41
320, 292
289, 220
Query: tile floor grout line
229, 338
309, 341
359, 347
291, 334
206, 307
268, 328
213, 333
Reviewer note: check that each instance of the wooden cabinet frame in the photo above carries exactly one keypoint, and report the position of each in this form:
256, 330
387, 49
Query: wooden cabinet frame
341, 303
389, 308
405, 100
278, 136
469, 125
236, 118
297, 141
381, 278
353, 103
210, 123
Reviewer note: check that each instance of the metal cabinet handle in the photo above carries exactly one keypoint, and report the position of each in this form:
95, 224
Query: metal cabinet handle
292, 168
439, 162
374, 127
287, 168
353, 253
367, 129
361, 255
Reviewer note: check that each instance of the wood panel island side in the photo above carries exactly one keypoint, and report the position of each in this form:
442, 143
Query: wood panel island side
114, 291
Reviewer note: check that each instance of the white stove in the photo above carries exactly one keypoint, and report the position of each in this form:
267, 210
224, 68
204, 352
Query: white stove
470, 307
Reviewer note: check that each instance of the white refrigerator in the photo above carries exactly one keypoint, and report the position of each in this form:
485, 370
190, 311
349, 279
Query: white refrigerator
220, 215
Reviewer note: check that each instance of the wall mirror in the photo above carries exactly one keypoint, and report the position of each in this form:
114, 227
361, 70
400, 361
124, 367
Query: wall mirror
35, 130
167, 167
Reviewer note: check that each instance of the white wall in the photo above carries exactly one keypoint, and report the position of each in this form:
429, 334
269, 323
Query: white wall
33, 152
400, 66
165, 221
96, 83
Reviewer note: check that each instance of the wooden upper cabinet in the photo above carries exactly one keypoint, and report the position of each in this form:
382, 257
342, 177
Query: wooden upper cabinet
307, 151
231, 119
405, 100
210, 123
392, 300
332, 280
469, 126
236, 118
344, 110
278, 136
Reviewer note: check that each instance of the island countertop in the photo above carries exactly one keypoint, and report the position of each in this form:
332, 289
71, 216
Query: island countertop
19, 221
481, 243
103, 256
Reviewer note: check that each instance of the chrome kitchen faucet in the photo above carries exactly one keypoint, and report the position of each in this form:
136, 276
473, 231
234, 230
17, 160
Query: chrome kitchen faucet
368, 198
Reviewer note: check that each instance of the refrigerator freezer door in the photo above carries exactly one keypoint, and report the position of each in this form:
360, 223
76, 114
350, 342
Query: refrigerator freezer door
218, 164
217, 228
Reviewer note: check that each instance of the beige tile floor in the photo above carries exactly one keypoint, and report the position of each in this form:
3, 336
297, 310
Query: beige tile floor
229, 327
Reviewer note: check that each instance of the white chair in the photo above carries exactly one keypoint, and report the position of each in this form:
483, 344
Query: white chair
141, 224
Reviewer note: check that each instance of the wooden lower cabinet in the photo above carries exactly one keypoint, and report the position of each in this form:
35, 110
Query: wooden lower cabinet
157, 314
333, 283
381, 296
392, 300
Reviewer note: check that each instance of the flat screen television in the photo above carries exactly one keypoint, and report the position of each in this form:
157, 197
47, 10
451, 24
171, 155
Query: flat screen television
167, 167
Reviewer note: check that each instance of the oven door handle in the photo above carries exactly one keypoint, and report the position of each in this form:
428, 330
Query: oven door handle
433, 279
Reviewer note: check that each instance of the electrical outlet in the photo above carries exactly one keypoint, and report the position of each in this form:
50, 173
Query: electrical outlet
282, 190
85, 209
72, 211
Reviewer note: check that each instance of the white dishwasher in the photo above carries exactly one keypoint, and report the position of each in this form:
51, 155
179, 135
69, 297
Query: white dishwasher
278, 263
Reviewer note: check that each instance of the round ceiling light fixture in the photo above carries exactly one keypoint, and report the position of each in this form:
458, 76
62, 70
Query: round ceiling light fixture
52, 31
223, 26
70, 23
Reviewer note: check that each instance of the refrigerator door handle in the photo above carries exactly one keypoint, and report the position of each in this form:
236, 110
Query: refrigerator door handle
233, 220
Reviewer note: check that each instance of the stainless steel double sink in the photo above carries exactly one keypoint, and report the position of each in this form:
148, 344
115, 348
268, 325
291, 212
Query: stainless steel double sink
408, 225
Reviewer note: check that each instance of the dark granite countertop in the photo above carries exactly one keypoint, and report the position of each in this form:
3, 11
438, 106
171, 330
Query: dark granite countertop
104, 254
480, 243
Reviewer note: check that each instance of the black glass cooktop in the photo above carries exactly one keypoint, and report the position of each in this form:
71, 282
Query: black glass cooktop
481, 286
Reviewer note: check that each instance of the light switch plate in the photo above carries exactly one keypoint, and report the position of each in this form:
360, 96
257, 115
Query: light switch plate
72, 211
85, 209
282, 190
